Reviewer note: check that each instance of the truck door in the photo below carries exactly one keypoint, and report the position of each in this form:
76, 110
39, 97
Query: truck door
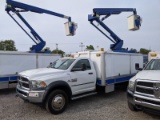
83, 80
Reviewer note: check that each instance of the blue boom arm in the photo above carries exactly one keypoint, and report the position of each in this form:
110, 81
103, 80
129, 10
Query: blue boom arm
17, 7
97, 12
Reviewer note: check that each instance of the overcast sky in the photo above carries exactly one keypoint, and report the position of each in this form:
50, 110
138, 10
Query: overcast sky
51, 28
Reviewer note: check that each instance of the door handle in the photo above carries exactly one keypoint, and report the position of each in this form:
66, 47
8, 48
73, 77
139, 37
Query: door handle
90, 73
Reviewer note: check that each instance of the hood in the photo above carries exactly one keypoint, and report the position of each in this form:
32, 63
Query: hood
34, 73
149, 74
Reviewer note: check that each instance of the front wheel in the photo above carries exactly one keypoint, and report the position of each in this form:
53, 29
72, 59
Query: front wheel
57, 101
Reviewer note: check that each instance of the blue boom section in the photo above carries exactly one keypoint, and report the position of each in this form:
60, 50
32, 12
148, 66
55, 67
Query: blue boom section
17, 7
97, 12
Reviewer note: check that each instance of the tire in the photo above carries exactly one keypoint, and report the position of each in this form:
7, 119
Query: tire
132, 107
57, 102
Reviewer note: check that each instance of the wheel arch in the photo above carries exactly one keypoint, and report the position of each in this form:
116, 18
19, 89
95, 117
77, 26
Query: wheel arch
57, 85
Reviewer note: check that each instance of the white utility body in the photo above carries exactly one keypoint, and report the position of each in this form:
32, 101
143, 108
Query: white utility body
112, 67
76, 77
11, 63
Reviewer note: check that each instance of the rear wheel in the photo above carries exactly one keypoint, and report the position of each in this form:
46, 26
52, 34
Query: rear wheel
57, 102
132, 107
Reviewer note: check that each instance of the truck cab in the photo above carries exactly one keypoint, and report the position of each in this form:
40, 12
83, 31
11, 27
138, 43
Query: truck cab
144, 88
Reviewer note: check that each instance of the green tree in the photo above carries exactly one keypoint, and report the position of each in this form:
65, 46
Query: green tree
56, 51
90, 47
46, 49
144, 51
7, 45
133, 49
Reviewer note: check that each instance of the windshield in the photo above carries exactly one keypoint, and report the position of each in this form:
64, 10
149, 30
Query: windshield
62, 64
153, 65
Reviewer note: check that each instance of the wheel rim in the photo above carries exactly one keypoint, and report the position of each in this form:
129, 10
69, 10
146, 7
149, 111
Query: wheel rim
58, 102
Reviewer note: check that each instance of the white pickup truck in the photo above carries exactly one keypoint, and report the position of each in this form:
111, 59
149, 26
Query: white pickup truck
144, 88
76, 77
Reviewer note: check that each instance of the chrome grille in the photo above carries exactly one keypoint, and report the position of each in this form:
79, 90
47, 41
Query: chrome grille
146, 91
148, 88
24, 79
23, 82
147, 84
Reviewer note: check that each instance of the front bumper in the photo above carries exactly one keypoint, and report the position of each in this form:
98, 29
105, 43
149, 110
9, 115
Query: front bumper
33, 96
143, 101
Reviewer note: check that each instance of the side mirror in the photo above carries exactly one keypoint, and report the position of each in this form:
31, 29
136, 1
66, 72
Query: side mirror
137, 66
49, 65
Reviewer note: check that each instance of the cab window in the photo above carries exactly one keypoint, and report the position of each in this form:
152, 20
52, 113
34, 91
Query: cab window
83, 61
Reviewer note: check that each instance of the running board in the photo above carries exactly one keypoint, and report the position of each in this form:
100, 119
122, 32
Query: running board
84, 95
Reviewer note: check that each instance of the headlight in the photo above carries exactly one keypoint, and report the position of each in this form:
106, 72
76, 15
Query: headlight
38, 84
131, 84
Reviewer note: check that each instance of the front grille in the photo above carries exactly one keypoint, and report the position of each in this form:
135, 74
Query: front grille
148, 87
146, 91
23, 82
24, 79
25, 85
147, 84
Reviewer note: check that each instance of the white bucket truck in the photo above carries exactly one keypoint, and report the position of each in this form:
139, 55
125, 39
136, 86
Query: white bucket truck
76, 77
144, 88
13, 62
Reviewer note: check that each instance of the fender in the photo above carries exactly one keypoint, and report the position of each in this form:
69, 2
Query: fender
57, 85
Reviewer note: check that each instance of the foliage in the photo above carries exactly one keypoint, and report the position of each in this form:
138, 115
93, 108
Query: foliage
90, 47
144, 51
56, 51
133, 49
46, 49
7, 45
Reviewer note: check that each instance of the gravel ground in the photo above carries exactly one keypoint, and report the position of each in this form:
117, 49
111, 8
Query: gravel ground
112, 106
